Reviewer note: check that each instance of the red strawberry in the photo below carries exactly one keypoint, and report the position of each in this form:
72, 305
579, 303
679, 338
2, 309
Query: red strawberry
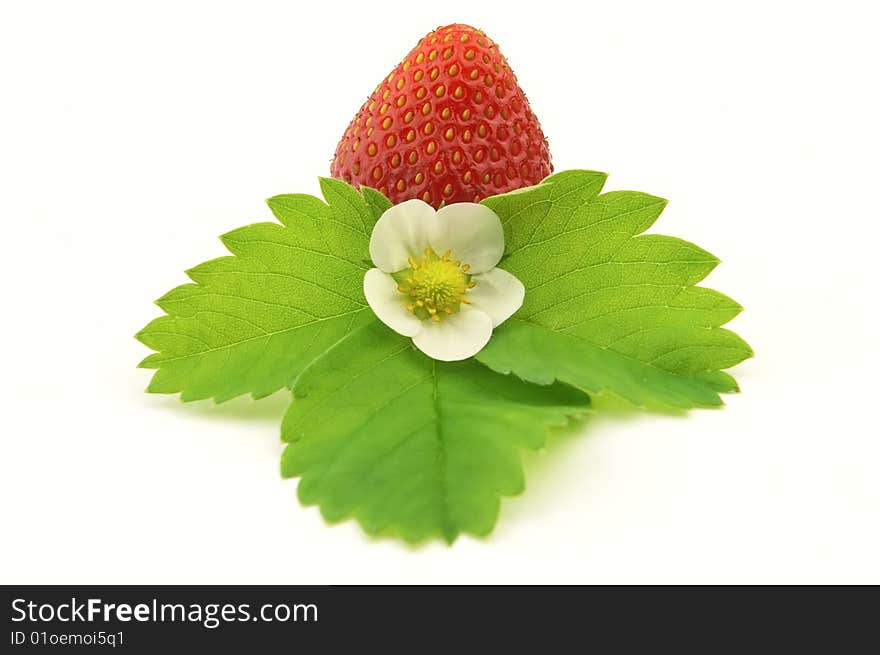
449, 124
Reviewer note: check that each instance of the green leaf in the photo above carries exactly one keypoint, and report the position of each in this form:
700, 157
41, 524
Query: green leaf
538, 354
412, 446
415, 447
251, 322
607, 307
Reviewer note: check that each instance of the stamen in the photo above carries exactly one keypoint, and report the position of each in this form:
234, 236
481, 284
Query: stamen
435, 285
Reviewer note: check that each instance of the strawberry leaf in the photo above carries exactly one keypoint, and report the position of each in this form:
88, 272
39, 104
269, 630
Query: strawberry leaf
412, 446
415, 447
252, 321
606, 307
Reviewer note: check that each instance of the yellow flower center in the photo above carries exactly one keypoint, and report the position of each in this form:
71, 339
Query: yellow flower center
434, 285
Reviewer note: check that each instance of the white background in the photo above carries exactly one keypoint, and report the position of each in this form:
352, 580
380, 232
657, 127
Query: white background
131, 134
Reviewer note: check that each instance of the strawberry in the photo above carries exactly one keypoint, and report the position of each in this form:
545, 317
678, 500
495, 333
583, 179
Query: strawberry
449, 124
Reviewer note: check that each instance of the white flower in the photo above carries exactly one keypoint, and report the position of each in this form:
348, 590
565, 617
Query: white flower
436, 279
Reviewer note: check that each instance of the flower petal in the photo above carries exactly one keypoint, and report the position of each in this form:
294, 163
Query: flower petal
472, 232
388, 303
498, 293
456, 337
401, 232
